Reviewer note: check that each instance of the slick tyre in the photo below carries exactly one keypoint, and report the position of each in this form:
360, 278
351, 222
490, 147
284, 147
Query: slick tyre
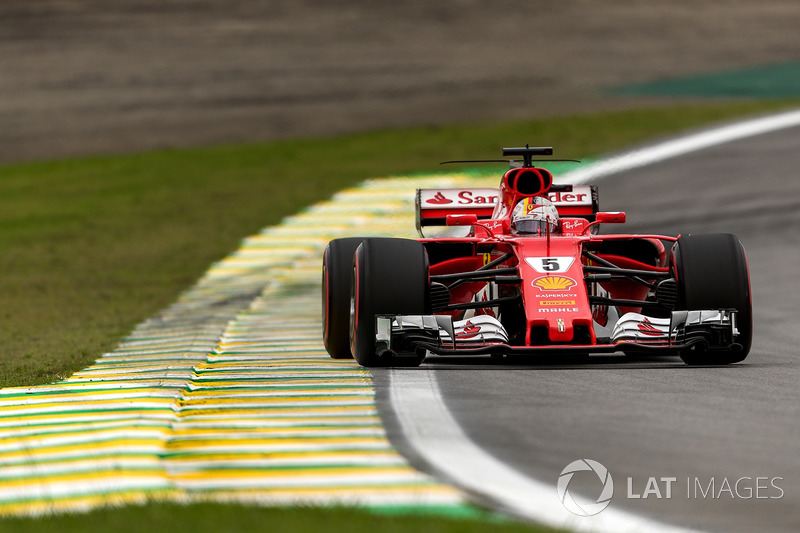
337, 266
389, 276
712, 273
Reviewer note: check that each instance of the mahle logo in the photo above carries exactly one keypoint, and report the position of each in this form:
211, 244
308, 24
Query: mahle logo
577, 504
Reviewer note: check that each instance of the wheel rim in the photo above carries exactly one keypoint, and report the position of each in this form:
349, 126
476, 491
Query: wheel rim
353, 306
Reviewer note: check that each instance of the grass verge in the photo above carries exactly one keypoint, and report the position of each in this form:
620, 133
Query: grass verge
91, 247
235, 518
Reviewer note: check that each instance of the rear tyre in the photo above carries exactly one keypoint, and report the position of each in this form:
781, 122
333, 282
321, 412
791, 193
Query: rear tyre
389, 276
712, 273
337, 266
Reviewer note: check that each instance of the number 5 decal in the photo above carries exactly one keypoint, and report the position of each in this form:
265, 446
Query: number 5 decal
550, 265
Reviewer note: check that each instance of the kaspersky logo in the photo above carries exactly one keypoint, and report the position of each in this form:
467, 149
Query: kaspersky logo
439, 199
553, 283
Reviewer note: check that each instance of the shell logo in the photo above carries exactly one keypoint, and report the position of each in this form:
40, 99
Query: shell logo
554, 283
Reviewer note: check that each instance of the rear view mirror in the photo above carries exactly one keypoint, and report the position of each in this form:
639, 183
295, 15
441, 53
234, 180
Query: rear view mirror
461, 220
610, 218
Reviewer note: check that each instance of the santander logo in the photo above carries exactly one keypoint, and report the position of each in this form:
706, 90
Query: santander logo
483, 198
439, 199
647, 328
470, 330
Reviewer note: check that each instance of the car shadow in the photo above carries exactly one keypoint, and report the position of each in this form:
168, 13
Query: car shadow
561, 362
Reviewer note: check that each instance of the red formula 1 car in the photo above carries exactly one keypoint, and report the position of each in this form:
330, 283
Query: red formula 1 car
532, 276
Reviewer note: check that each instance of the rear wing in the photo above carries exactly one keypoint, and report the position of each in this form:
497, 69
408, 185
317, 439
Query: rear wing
433, 205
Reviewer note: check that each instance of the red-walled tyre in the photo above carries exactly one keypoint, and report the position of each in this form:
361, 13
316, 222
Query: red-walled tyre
337, 267
390, 276
712, 273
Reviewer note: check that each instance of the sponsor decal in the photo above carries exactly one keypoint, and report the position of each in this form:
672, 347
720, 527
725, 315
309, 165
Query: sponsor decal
556, 302
561, 326
553, 283
647, 328
439, 199
579, 195
470, 330
599, 312
459, 198
528, 206
558, 295
469, 197
570, 225
494, 225
559, 309
550, 265
485, 295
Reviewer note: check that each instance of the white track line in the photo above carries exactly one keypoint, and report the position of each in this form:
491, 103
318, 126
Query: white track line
437, 438
681, 146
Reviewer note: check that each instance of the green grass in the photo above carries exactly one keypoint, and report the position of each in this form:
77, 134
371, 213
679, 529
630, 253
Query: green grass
233, 518
91, 247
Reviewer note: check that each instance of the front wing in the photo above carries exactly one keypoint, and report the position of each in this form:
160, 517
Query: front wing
414, 335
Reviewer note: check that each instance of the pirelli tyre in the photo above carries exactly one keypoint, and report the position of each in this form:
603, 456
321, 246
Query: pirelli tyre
337, 267
712, 273
389, 276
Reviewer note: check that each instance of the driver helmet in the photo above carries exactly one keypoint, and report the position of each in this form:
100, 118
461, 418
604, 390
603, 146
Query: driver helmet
532, 215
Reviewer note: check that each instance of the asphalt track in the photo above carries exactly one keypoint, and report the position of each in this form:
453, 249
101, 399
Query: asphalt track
659, 418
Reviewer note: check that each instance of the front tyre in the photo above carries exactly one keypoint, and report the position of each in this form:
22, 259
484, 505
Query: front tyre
712, 273
389, 276
337, 265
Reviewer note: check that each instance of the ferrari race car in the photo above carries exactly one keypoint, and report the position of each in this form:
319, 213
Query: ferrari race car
531, 275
